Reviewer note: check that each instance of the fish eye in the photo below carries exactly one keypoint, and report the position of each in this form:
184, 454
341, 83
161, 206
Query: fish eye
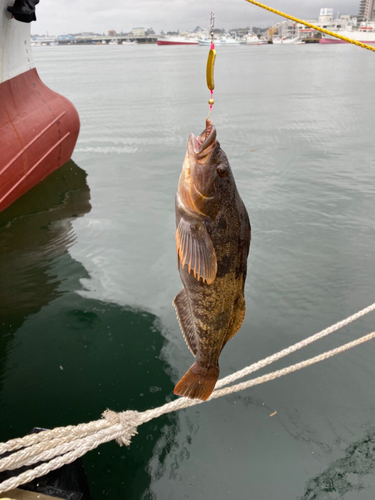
222, 171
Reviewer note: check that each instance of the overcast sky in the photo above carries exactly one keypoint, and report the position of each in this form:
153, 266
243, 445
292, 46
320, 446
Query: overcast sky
72, 16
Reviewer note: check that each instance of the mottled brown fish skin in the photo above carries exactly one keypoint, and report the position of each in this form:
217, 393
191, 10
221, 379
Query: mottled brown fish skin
210, 314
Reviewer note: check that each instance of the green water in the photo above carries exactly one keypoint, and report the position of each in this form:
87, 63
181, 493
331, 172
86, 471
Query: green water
88, 271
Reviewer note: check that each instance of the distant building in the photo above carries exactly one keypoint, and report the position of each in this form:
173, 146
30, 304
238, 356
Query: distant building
326, 20
43, 38
138, 32
326, 16
366, 10
240, 32
111, 32
65, 37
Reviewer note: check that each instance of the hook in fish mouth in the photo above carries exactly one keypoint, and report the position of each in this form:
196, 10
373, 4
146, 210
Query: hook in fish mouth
197, 180
205, 142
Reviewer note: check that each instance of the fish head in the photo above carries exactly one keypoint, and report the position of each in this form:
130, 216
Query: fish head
206, 177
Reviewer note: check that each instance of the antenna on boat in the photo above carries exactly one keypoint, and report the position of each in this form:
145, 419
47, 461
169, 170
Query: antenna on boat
211, 64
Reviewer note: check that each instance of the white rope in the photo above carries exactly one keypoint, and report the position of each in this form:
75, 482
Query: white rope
293, 348
63, 445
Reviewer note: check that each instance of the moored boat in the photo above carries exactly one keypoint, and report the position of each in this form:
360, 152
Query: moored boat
176, 40
224, 40
38, 127
253, 39
365, 34
228, 40
288, 41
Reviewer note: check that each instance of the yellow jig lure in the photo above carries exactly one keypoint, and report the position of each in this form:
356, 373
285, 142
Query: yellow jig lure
210, 68
211, 65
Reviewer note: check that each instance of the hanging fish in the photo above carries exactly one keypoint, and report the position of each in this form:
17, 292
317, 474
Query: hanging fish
213, 240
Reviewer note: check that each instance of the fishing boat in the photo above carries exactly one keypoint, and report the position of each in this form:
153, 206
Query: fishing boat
177, 40
223, 40
365, 33
38, 127
253, 39
288, 41
294, 41
228, 40
206, 41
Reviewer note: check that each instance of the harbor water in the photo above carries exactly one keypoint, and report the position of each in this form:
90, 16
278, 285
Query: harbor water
88, 271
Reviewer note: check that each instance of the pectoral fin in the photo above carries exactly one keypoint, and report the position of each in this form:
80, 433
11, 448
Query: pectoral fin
195, 249
186, 321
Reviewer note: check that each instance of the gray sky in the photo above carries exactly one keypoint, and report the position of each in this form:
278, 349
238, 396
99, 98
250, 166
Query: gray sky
72, 16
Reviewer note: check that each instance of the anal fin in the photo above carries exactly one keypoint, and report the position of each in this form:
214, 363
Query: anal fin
186, 321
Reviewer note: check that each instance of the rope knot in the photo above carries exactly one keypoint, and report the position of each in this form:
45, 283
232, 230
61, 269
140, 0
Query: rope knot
129, 421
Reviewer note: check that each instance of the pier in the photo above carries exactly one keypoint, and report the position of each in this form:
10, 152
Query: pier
106, 39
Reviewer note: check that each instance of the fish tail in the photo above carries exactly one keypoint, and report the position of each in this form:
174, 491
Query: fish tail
198, 382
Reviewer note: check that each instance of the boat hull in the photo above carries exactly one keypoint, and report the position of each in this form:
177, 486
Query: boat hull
38, 132
337, 40
207, 43
176, 41
362, 35
260, 42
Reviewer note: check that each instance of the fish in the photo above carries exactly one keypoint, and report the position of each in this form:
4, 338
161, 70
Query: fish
213, 236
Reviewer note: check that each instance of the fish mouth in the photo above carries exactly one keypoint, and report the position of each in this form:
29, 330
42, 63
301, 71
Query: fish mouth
202, 145
197, 179
200, 151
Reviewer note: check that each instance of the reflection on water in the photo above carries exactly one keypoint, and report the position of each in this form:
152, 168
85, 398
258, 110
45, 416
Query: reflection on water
33, 232
169, 455
111, 358
68, 362
345, 475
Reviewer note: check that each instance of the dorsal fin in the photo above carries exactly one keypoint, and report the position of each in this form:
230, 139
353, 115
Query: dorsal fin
186, 321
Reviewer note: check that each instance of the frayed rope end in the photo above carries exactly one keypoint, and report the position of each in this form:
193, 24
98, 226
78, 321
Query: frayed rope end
129, 421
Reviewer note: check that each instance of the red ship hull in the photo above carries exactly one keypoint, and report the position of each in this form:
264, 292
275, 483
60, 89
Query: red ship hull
337, 40
38, 132
162, 42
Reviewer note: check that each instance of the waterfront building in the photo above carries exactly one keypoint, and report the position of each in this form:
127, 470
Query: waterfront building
139, 32
325, 20
366, 10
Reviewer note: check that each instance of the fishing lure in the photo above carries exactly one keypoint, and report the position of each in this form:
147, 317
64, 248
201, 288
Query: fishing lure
210, 65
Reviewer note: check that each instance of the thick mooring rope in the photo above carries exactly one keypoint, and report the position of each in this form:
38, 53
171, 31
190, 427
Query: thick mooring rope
313, 26
63, 445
